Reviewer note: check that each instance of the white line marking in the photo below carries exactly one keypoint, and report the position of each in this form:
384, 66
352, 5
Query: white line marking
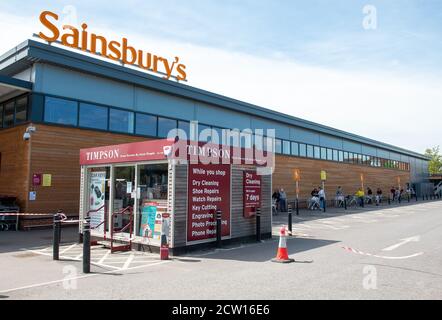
68, 248
403, 242
104, 257
128, 261
80, 277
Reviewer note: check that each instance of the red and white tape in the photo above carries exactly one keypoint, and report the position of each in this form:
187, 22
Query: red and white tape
27, 214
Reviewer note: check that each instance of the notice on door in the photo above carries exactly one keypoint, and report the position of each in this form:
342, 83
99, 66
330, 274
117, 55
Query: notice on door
252, 193
209, 191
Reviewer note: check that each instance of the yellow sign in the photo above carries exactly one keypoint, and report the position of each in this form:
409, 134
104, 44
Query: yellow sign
47, 180
323, 175
296, 175
120, 51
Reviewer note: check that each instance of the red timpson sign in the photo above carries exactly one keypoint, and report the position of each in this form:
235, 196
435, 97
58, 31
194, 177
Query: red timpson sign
205, 153
209, 191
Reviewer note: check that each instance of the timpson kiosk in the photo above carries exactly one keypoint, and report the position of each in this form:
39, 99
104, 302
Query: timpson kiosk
155, 192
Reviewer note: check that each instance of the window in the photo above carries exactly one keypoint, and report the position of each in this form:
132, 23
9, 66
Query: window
295, 149
121, 121
317, 153
302, 150
218, 133
286, 147
335, 155
360, 158
278, 146
346, 157
8, 118
1, 116
61, 111
146, 125
323, 153
21, 110
259, 142
330, 154
92, 116
185, 126
165, 126
310, 152
341, 156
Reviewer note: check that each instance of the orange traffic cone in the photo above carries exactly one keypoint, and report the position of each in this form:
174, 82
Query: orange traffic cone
282, 255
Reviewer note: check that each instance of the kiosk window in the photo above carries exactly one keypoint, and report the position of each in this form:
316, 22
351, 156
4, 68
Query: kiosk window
92, 116
61, 111
121, 121
146, 125
153, 182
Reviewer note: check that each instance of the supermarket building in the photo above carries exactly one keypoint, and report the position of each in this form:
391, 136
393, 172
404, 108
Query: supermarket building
76, 101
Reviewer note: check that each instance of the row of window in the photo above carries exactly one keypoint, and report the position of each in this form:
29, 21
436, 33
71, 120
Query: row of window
85, 115
14, 112
321, 153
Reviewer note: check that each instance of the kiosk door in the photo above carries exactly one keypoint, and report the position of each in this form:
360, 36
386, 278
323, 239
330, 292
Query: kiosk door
124, 199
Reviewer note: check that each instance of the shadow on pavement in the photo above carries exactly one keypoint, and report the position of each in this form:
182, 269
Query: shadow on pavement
262, 252
13, 241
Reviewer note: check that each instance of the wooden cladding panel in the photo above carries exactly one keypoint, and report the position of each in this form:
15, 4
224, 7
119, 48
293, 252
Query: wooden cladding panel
56, 151
14, 164
338, 174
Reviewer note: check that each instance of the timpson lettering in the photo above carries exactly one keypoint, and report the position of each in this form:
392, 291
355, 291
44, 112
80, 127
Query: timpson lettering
210, 152
115, 50
103, 155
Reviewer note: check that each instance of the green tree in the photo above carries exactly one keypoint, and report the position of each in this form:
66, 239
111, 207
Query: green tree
435, 166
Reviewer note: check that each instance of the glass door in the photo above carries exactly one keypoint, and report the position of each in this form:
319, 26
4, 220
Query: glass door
124, 198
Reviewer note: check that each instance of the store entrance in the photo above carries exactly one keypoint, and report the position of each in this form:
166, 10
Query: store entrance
123, 200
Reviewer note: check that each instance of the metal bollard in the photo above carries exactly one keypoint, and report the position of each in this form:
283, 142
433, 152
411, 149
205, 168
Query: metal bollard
297, 207
56, 237
87, 245
325, 205
258, 224
290, 218
389, 201
345, 203
409, 199
218, 228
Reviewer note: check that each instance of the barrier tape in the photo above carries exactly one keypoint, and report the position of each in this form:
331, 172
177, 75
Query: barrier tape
27, 214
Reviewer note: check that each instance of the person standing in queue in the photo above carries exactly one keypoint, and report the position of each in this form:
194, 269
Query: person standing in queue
283, 200
321, 195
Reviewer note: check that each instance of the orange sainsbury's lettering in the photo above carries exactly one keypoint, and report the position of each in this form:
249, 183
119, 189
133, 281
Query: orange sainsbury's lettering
70, 36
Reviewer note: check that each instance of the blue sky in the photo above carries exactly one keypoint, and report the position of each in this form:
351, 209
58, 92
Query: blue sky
312, 57
317, 32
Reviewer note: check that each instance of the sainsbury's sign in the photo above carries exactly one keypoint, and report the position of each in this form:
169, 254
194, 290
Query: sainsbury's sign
117, 50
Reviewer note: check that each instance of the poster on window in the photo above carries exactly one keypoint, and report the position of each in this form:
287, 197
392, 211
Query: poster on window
97, 200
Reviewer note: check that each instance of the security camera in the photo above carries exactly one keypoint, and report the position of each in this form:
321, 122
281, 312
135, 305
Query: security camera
26, 136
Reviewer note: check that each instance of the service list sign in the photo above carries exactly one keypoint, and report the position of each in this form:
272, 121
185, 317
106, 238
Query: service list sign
252, 193
209, 191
